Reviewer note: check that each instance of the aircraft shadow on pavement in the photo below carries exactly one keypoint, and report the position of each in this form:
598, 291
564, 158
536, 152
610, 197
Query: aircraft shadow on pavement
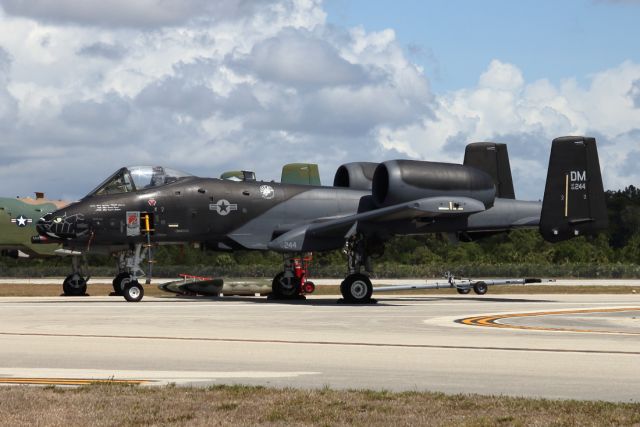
262, 300
329, 301
334, 301
478, 299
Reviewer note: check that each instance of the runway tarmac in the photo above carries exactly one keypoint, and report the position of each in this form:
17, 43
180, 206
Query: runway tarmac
553, 346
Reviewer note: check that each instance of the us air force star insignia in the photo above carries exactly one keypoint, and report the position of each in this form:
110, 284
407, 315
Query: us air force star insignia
21, 221
267, 192
223, 207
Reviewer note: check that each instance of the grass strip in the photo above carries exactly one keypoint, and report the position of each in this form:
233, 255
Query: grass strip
120, 405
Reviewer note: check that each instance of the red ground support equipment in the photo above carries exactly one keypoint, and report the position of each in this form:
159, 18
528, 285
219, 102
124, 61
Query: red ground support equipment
300, 270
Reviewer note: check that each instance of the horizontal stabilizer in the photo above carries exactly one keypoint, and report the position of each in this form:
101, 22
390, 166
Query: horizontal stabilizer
574, 199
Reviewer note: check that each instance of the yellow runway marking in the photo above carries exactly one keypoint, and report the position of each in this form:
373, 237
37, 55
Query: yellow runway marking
491, 321
67, 381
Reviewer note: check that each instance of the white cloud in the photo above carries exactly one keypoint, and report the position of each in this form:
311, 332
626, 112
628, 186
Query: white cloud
210, 86
267, 84
125, 13
297, 58
8, 104
527, 116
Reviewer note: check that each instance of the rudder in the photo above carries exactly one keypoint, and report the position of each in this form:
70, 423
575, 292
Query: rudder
574, 199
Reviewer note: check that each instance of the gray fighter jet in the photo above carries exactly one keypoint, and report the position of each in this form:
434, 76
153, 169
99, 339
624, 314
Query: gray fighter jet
142, 206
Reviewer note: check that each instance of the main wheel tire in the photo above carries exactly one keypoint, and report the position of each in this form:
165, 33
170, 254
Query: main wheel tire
285, 287
356, 288
74, 285
463, 291
117, 282
133, 291
480, 288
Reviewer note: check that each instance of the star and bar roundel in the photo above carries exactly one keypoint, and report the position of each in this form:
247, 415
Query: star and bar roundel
21, 221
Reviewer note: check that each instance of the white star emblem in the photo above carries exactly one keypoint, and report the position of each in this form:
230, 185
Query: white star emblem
22, 221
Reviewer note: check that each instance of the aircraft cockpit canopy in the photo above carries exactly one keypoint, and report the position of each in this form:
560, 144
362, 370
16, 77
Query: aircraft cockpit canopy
134, 178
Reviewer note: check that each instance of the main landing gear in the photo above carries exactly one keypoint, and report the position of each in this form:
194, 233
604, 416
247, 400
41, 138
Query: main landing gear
126, 282
357, 288
292, 283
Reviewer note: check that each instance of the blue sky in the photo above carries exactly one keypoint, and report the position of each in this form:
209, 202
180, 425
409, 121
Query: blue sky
457, 39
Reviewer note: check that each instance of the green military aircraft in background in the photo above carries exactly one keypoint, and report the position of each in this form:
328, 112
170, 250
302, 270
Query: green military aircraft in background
18, 218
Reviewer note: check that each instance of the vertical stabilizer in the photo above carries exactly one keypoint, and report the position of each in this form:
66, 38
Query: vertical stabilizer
301, 174
574, 199
493, 159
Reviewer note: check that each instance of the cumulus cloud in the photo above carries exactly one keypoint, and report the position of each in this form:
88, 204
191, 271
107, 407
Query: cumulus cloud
125, 13
103, 50
527, 116
267, 84
297, 58
213, 86
634, 93
8, 104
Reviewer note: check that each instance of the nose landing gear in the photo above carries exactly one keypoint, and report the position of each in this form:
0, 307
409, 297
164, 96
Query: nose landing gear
75, 284
126, 281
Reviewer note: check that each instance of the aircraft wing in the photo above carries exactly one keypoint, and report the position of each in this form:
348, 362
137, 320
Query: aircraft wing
310, 236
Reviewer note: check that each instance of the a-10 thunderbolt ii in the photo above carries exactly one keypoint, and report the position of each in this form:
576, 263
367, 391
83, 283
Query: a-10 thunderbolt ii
138, 207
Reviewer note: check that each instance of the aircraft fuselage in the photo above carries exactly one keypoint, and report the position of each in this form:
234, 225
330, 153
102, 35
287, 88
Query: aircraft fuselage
231, 215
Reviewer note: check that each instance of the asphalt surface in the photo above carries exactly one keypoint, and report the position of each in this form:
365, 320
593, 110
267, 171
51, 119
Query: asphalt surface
553, 346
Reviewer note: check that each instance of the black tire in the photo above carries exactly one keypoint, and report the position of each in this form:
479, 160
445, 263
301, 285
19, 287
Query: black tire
480, 288
285, 288
74, 285
133, 291
117, 282
463, 291
356, 288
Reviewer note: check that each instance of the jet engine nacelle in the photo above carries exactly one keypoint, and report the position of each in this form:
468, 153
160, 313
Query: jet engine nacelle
399, 181
357, 176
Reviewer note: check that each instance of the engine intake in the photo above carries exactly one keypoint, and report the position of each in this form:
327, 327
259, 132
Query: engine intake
357, 176
398, 181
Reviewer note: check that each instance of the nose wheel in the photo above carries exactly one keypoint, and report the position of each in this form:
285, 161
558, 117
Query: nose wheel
132, 291
74, 285
117, 283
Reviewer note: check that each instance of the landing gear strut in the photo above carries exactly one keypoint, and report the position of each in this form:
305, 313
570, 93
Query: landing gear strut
356, 288
126, 281
75, 284
292, 283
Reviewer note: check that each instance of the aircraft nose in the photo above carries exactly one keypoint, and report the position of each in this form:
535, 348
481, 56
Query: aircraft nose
62, 226
43, 224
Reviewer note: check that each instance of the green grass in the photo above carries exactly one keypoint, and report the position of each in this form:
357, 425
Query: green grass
117, 405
